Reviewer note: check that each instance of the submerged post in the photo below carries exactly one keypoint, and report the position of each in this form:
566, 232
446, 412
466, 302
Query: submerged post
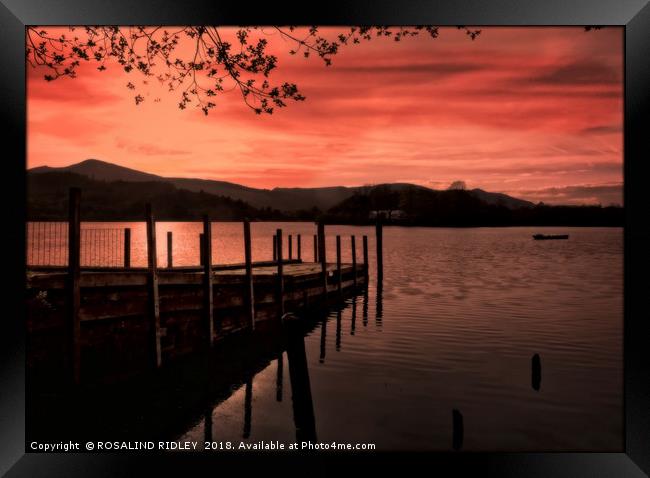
365, 257
379, 229
353, 247
280, 274
322, 255
169, 249
207, 280
250, 301
315, 248
154, 303
127, 247
299, 245
339, 273
74, 275
275, 248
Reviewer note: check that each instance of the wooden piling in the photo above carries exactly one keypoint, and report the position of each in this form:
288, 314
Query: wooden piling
299, 246
169, 249
249, 296
365, 257
275, 248
74, 274
127, 247
379, 231
315, 248
201, 249
154, 300
208, 308
339, 278
322, 257
290, 246
280, 273
353, 247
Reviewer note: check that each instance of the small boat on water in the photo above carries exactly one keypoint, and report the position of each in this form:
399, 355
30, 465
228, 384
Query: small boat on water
541, 237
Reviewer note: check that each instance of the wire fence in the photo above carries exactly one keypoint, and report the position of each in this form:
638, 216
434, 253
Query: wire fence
47, 245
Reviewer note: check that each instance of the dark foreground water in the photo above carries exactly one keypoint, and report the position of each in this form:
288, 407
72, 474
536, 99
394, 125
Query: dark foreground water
454, 326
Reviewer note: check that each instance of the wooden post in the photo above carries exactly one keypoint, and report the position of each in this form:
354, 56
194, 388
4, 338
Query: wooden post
322, 255
208, 309
275, 248
169, 249
299, 245
74, 274
365, 257
379, 230
353, 246
201, 249
280, 273
290, 246
315, 248
154, 303
127, 247
339, 273
250, 300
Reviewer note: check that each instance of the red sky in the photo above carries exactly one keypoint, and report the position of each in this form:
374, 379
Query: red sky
533, 112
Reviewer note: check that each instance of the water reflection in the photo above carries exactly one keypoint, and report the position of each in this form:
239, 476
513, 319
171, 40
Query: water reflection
536, 372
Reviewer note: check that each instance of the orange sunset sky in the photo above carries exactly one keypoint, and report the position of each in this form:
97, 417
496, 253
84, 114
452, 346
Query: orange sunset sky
533, 112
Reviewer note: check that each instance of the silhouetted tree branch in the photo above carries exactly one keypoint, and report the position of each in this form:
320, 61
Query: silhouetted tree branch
211, 66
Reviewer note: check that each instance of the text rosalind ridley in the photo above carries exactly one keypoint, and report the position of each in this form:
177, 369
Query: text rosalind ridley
194, 445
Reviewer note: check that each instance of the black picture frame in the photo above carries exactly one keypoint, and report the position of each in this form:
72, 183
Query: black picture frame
634, 15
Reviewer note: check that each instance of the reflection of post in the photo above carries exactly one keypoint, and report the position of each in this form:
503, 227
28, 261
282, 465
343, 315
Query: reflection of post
127, 247
280, 274
207, 424
353, 247
365, 306
201, 261
74, 276
339, 274
279, 377
536, 372
303, 408
154, 305
365, 258
315, 248
354, 315
380, 247
323, 340
250, 298
379, 306
322, 256
458, 429
290, 244
338, 330
208, 309
248, 407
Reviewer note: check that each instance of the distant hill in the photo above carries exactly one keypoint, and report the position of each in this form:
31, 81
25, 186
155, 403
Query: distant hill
284, 199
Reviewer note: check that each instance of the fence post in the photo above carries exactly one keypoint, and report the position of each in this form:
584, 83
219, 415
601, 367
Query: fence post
339, 273
315, 248
154, 303
250, 298
365, 258
169, 249
207, 280
380, 249
74, 275
127, 247
353, 246
322, 255
299, 245
280, 273
275, 248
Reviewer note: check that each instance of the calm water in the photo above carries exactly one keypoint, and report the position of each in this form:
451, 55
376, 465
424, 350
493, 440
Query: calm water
459, 316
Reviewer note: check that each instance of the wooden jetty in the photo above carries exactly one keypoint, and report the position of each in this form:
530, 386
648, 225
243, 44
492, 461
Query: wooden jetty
91, 323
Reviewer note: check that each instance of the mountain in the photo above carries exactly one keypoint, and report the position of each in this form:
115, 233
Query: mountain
284, 199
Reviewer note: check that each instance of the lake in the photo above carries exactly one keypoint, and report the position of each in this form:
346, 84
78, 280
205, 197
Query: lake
454, 326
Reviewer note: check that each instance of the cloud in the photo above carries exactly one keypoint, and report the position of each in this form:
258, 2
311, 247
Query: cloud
580, 72
604, 194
